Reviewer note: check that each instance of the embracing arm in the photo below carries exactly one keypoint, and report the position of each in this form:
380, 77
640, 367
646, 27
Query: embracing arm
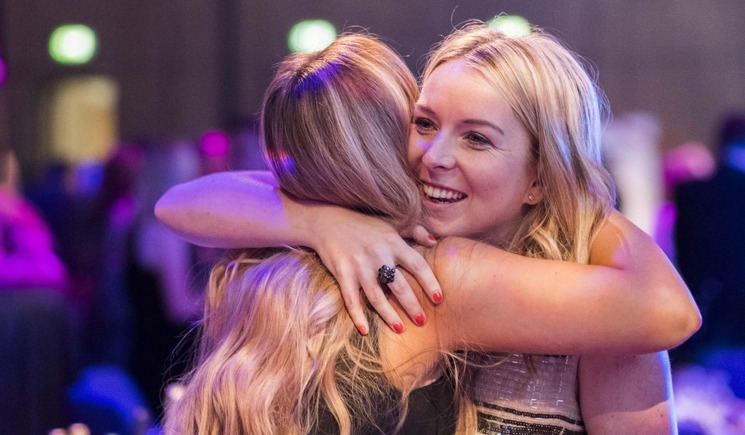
214, 211
246, 209
632, 301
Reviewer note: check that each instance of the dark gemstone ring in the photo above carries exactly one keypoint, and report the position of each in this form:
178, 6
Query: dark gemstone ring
386, 275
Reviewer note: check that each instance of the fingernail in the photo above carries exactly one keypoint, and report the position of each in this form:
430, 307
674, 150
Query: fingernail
431, 237
420, 319
437, 297
362, 329
398, 327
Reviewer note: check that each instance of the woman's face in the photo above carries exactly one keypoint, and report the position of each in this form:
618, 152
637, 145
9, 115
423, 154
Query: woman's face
472, 156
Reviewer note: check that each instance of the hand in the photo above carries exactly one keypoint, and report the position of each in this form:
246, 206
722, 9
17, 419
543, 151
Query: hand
354, 246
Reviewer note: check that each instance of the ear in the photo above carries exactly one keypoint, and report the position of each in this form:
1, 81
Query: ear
534, 194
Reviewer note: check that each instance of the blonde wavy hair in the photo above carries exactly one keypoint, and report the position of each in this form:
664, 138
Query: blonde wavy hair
278, 352
335, 128
557, 100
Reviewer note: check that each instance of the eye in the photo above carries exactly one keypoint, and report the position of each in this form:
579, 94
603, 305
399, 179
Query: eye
424, 125
477, 140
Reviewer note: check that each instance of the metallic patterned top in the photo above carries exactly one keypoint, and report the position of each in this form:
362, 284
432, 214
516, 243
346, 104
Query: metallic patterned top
513, 399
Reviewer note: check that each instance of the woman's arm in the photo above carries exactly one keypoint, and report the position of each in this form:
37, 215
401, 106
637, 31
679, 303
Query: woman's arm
245, 209
228, 210
636, 303
628, 394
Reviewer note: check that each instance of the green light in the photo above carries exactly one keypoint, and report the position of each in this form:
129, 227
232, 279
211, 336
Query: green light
73, 44
311, 35
511, 25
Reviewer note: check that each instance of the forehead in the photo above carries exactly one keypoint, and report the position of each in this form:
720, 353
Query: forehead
461, 89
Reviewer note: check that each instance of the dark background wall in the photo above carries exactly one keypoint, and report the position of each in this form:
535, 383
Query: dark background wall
186, 66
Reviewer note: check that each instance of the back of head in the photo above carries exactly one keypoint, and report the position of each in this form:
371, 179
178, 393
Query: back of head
335, 128
276, 344
560, 106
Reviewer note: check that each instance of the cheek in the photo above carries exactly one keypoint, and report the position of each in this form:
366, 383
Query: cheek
414, 153
485, 177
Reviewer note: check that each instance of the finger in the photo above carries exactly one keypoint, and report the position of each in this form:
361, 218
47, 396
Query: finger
423, 237
378, 300
350, 292
406, 297
418, 267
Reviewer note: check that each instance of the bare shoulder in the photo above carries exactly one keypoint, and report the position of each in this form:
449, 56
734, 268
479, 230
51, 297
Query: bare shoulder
620, 239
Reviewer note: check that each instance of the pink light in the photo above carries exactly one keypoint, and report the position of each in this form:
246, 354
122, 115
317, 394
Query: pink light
215, 144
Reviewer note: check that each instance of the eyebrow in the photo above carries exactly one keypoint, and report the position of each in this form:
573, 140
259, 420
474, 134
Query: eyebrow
424, 109
483, 123
480, 122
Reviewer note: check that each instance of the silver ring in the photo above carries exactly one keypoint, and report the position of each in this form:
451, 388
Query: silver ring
386, 275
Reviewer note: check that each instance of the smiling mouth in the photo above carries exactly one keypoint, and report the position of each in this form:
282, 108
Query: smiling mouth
441, 195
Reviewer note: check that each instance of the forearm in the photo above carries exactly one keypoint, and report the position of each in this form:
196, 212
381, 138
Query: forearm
508, 302
234, 210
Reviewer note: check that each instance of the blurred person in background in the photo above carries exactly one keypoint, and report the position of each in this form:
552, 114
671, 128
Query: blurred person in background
27, 256
683, 163
38, 341
164, 274
710, 245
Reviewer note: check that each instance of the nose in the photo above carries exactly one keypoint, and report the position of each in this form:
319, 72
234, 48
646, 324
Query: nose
438, 154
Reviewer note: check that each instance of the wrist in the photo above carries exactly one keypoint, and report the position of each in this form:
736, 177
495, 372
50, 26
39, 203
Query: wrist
306, 221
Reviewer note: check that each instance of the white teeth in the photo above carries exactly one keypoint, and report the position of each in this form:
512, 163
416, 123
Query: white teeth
438, 193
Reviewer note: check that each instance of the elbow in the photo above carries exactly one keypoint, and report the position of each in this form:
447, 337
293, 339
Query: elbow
691, 322
162, 211
167, 211
182, 217
171, 214
680, 322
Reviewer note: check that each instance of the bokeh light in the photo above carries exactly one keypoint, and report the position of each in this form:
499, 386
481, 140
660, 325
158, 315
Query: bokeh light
215, 143
511, 25
308, 36
73, 44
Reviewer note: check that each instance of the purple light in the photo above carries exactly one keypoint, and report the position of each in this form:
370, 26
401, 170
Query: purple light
281, 162
215, 144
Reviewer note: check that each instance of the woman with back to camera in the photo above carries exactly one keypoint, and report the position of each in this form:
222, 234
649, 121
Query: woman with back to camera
627, 281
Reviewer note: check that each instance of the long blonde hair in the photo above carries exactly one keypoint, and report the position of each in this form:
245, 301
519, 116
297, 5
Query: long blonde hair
335, 128
558, 102
277, 348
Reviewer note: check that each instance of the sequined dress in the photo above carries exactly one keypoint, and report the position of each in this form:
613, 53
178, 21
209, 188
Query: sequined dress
513, 400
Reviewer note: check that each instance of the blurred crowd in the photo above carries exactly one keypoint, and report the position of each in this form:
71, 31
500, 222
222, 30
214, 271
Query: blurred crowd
98, 298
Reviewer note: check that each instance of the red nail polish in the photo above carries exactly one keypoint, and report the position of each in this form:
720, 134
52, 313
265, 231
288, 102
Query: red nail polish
437, 297
431, 237
419, 319
399, 328
362, 329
